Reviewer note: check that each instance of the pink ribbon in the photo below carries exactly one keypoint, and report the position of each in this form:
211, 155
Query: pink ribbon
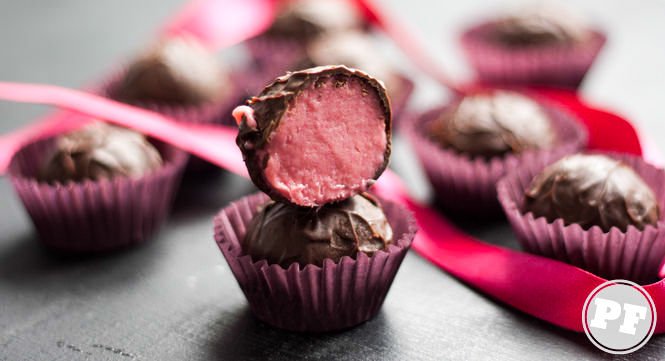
222, 23
547, 289
213, 143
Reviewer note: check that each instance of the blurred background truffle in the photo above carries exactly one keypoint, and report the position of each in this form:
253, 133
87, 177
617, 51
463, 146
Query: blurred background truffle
178, 70
493, 124
543, 24
592, 190
100, 151
308, 19
354, 49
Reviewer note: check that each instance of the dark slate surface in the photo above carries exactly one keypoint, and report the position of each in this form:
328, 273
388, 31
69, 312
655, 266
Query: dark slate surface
174, 298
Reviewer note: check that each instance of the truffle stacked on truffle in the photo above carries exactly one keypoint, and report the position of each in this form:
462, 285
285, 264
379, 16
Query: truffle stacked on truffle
314, 141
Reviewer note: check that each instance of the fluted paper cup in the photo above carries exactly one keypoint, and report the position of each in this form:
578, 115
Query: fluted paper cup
634, 254
333, 297
468, 185
559, 65
95, 216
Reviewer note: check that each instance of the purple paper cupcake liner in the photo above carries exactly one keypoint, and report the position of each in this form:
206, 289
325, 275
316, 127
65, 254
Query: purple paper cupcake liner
95, 216
634, 254
468, 185
313, 299
554, 65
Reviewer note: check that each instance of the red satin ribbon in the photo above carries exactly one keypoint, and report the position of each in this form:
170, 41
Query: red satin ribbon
547, 289
215, 144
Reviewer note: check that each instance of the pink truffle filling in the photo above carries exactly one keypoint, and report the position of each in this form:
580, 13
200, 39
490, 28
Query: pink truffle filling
329, 143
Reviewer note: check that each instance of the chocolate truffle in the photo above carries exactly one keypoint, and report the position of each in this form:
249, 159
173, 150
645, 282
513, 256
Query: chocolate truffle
541, 25
493, 124
100, 151
307, 19
317, 135
283, 233
354, 49
177, 70
592, 190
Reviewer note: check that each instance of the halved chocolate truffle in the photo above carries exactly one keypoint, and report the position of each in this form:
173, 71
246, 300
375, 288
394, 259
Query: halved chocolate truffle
317, 135
177, 70
592, 190
283, 233
493, 124
100, 151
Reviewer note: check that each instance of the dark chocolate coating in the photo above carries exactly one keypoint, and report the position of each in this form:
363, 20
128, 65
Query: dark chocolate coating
307, 19
178, 70
540, 26
592, 190
283, 233
493, 124
100, 151
271, 104
354, 49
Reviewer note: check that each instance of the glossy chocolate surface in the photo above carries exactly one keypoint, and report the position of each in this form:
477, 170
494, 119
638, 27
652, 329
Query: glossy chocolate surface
284, 234
100, 151
541, 25
592, 190
178, 70
493, 124
307, 19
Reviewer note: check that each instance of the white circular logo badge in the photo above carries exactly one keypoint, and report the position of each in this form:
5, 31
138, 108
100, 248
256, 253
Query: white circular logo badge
619, 317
